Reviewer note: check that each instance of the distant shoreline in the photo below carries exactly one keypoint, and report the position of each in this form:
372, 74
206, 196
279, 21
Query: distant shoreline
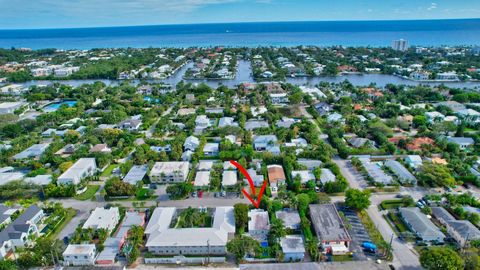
429, 33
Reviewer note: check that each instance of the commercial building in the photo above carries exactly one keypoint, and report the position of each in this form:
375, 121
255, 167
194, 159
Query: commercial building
329, 228
169, 172
84, 167
165, 240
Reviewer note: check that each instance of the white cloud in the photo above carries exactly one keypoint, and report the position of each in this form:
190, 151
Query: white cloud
432, 6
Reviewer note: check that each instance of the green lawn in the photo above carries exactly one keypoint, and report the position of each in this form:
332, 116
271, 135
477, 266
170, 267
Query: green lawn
108, 171
88, 194
68, 216
143, 194
342, 258
401, 227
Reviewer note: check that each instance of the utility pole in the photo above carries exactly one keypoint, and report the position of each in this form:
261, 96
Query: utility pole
208, 251
389, 246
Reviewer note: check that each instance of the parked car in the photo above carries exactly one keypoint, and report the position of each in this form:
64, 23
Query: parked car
194, 194
369, 247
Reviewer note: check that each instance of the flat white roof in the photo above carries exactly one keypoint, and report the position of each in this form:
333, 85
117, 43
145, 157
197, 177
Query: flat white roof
229, 178
81, 249
160, 234
202, 178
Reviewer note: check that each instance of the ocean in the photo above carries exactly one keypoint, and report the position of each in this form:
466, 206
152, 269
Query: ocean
323, 33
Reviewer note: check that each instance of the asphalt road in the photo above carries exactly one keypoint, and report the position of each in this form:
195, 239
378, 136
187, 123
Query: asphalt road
404, 257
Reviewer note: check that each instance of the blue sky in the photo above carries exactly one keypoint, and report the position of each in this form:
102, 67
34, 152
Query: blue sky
16, 14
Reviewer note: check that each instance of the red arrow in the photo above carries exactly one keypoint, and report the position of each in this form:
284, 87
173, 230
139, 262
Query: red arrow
256, 203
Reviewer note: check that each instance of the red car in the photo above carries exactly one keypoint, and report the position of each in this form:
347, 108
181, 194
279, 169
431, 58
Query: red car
200, 194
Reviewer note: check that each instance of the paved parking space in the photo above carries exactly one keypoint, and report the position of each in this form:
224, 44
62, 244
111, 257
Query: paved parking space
357, 233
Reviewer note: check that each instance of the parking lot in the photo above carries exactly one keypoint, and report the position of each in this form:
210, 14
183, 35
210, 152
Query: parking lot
357, 233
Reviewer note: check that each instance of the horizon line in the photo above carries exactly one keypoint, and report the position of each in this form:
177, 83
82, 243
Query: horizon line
240, 22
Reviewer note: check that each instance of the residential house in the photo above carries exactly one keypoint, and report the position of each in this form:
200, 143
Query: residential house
79, 255
293, 248
469, 116
434, 117
211, 149
331, 232
414, 161
375, 172
418, 143
201, 123
34, 151
6, 214
276, 175
462, 142
103, 218
323, 108
229, 178
11, 107
100, 148
400, 171
463, 231
83, 168
227, 122
169, 172
256, 124
266, 143
335, 117
21, 232
279, 98
327, 176
132, 124
191, 143
304, 175
136, 174
202, 179
114, 244
421, 225
256, 178
312, 91
290, 217
258, 224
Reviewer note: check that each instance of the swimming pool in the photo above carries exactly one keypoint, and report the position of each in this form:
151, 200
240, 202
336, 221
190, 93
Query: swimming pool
55, 106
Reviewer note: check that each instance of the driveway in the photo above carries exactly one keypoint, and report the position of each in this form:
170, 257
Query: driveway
69, 229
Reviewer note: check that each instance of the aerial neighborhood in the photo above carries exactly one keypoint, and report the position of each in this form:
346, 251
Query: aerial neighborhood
132, 168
